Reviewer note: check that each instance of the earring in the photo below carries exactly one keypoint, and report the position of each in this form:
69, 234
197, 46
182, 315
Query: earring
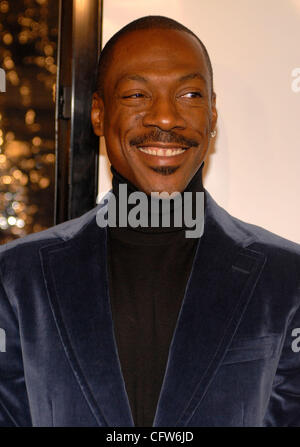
213, 133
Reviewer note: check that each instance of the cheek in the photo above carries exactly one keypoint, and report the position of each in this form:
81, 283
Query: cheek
197, 118
120, 123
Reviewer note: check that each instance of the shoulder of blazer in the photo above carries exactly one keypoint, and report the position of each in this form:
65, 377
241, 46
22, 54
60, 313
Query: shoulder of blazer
61, 232
244, 233
282, 256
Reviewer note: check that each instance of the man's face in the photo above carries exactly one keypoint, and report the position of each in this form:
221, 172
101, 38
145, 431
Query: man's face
157, 112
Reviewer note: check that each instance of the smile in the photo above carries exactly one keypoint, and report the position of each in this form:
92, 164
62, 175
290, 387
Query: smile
162, 152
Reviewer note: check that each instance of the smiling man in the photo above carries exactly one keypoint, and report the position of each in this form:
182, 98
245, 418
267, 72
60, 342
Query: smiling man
155, 104
142, 326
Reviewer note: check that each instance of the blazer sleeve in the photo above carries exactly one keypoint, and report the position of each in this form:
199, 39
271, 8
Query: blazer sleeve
14, 406
284, 405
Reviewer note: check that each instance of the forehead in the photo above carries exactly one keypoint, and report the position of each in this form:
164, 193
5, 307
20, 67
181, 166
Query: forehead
163, 52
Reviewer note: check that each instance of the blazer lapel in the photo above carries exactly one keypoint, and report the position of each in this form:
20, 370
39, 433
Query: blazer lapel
223, 276
222, 279
76, 279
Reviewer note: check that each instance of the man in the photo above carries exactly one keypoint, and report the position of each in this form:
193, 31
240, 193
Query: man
125, 326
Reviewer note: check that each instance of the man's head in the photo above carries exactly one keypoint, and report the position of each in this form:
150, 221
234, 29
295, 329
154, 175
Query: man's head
155, 103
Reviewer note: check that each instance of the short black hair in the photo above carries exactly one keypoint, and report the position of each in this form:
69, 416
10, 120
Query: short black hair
143, 23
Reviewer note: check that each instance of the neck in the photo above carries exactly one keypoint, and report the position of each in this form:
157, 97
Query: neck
195, 185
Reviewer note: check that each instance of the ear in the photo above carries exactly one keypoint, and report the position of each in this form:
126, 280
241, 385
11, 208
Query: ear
214, 116
97, 114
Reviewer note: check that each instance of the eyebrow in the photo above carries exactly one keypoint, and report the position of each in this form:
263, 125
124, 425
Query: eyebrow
133, 77
136, 77
196, 75
187, 77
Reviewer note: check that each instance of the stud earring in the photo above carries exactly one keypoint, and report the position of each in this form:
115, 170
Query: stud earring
213, 133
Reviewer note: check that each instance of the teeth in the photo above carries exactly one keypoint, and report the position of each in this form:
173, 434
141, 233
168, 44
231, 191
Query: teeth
161, 152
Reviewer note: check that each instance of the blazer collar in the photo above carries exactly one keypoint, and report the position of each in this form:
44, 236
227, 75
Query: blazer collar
223, 276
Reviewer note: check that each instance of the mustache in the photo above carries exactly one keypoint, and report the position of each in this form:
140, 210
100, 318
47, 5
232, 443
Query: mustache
159, 136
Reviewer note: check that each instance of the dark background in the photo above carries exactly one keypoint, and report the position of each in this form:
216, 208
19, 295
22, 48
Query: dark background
28, 54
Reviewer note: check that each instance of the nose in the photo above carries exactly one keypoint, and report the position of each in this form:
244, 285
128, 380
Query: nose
164, 114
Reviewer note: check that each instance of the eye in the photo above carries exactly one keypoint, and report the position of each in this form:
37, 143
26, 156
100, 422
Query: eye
192, 95
134, 96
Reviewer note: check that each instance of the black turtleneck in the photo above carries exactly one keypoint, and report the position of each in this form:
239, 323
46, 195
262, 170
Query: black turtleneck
148, 272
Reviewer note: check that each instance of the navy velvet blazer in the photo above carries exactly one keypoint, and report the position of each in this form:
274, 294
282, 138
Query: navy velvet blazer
230, 362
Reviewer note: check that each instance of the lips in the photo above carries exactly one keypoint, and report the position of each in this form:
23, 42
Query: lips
162, 151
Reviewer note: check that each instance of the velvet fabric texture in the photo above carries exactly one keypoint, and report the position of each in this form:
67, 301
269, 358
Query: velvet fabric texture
230, 362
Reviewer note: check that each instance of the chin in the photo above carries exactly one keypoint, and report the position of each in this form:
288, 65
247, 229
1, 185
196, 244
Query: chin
161, 182
166, 187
